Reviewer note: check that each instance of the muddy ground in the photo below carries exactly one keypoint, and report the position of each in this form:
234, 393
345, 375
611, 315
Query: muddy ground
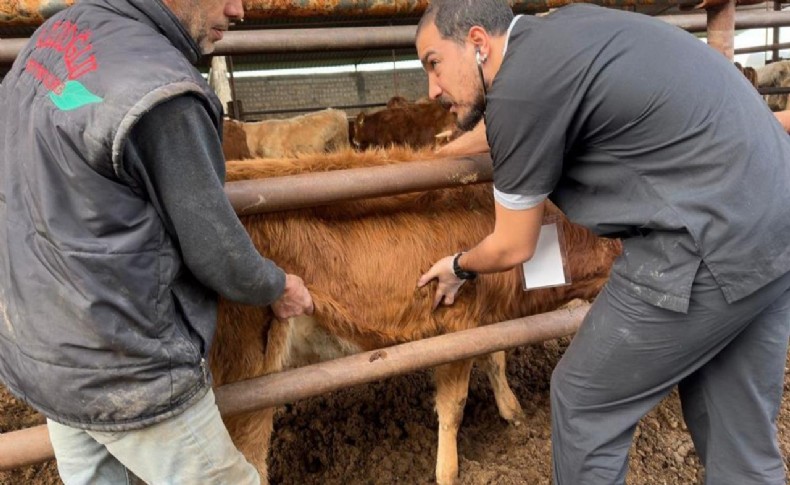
385, 433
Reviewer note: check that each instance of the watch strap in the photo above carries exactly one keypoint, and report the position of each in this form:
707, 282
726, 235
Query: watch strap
460, 273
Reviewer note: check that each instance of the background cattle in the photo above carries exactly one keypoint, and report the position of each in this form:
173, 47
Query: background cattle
776, 74
320, 132
361, 261
234, 140
402, 123
749, 72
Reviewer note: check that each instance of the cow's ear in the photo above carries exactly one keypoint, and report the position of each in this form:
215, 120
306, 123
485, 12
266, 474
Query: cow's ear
361, 119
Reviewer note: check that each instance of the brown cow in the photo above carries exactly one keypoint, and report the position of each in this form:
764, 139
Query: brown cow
361, 261
402, 123
234, 141
749, 72
320, 132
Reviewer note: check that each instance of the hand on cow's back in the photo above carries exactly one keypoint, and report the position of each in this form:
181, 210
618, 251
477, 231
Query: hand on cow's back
295, 300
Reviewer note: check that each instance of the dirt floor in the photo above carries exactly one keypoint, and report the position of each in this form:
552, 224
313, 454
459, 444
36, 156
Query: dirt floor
385, 433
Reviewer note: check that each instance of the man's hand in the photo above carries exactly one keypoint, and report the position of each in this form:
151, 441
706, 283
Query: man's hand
448, 285
473, 141
295, 300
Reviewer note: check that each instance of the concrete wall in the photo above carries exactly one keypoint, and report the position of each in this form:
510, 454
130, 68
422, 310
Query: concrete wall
328, 90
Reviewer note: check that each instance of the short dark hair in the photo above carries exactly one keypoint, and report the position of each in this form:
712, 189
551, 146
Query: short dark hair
454, 18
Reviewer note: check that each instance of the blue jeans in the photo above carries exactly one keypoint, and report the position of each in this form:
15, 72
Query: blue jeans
191, 448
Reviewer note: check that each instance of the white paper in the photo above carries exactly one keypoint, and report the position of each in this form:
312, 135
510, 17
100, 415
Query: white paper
545, 268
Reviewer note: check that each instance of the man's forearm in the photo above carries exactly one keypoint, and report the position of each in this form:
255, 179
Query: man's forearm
784, 119
474, 141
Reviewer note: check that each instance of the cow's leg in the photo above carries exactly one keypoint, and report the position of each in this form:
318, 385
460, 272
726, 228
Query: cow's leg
252, 432
452, 387
494, 366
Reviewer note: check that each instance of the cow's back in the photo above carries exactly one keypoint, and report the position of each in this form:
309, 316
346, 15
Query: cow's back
362, 259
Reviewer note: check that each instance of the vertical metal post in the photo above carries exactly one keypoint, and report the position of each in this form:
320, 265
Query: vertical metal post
721, 28
777, 30
235, 101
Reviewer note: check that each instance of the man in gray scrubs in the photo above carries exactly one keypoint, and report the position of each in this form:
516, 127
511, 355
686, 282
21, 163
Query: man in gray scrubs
638, 130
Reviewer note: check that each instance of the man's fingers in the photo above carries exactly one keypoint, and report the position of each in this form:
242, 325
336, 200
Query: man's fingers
424, 279
437, 299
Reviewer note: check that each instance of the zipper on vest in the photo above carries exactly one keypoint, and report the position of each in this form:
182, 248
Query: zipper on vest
204, 368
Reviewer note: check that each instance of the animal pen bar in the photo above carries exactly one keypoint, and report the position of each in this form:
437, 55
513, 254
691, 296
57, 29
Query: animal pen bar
33, 12
349, 38
346, 38
31, 446
320, 188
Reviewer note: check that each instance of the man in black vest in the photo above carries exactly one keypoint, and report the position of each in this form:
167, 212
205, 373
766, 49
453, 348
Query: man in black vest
116, 237
683, 160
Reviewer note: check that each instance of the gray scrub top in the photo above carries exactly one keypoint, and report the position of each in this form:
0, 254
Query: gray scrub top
639, 130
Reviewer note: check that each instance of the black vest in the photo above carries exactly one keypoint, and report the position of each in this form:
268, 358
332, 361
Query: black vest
95, 331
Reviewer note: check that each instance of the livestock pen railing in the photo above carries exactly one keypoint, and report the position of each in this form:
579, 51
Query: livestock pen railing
32, 445
33, 12
272, 41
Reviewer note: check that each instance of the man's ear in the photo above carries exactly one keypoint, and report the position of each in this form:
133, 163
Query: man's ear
479, 38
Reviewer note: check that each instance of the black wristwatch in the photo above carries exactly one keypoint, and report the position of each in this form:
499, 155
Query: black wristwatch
462, 274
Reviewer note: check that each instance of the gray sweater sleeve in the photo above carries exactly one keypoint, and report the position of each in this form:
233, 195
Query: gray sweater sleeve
175, 155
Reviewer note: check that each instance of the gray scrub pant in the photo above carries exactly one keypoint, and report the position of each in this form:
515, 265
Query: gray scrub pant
728, 361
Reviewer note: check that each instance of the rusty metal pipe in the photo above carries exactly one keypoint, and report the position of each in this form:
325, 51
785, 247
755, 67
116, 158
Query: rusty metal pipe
346, 38
321, 188
34, 12
316, 39
32, 446
30, 12
763, 48
743, 20
10, 48
721, 28
309, 381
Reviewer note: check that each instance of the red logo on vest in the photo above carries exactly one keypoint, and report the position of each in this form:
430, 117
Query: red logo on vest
77, 51
64, 37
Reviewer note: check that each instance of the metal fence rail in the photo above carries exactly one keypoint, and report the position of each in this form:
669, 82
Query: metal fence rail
32, 446
350, 38
34, 12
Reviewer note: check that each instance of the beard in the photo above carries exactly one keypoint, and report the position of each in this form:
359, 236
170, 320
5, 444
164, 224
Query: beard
193, 17
205, 43
476, 112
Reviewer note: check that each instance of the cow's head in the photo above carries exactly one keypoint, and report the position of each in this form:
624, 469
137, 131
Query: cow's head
357, 138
